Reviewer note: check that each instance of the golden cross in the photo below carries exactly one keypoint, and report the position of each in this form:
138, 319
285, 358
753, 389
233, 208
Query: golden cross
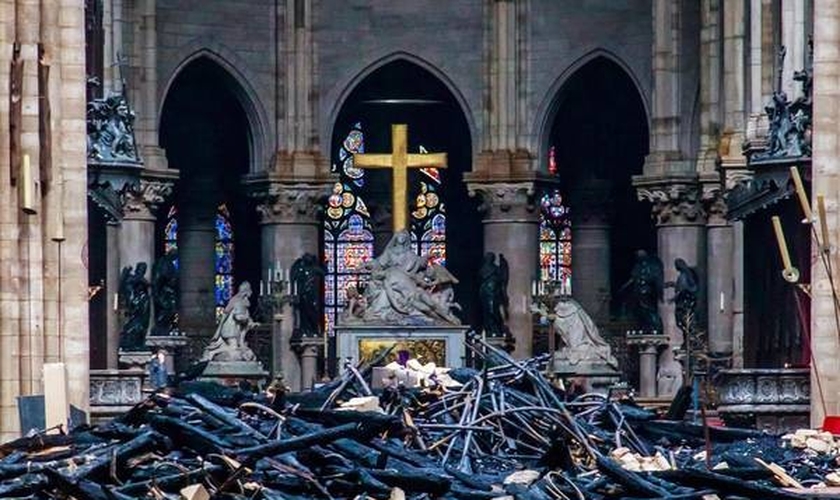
399, 161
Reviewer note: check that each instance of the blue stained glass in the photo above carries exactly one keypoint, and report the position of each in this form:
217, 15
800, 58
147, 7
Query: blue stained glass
224, 257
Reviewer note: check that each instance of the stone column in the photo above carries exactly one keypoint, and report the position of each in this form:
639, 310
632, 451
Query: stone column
289, 214
511, 228
112, 287
145, 87
591, 250
720, 247
137, 231
648, 352
826, 181
794, 39
680, 234
196, 243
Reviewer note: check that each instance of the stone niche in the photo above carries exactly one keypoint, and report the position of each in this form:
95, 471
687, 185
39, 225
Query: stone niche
777, 400
443, 345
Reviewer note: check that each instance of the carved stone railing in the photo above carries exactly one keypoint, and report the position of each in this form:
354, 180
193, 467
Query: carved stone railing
771, 399
113, 392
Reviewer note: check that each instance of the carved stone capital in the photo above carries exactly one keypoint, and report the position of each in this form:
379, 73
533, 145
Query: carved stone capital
714, 204
142, 199
289, 203
674, 203
506, 201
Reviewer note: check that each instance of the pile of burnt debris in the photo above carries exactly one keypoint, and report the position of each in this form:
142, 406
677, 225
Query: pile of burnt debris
500, 432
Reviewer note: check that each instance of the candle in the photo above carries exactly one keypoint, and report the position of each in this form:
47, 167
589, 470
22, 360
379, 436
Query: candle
534, 288
780, 239
262, 288
116, 302
826, 243
800, 192
722, 308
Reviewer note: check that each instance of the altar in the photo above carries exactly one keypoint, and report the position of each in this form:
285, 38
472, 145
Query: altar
439, 344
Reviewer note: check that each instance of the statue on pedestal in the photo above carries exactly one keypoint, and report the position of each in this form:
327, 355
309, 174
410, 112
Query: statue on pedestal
404, 289
135, 301
306, 277
228, 343
646, 284
584, 350
492, 293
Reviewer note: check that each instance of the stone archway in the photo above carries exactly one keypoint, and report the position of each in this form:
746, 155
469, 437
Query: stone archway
403, 91
207, 134
599, 137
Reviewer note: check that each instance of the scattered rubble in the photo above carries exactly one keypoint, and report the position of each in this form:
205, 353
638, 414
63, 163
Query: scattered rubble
501, 432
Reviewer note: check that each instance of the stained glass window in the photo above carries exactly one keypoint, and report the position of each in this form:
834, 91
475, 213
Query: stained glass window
348, 237
223, 251
223, 260
428, 219
555, 235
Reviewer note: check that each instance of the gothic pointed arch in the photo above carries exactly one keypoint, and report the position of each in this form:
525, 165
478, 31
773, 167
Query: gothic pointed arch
443, 222
238, 82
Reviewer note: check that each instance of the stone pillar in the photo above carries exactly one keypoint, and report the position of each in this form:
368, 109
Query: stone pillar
825, 344
511, 228
137, 231
710, 83
308, 365
290, 228
196, 242
720, 258
794, 40
145, 86
591, 250
648, 352
112, 288
680, 234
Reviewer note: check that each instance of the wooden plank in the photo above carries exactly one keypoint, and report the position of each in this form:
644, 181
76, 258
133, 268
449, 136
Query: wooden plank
56, 407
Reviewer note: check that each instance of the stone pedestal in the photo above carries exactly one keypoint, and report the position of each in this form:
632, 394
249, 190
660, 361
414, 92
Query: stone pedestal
511, 228
442, 344
596, 378
113, 392
231, 373
773, 399
648, 353
309, 350
135, 360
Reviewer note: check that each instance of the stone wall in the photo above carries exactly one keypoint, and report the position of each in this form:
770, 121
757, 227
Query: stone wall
351, 38
43, 279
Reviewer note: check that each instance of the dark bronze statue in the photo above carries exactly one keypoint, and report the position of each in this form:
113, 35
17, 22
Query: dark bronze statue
134, 296
165, 294
685, 296
110, 130
646, 284
493, 295
789, 131
306, 276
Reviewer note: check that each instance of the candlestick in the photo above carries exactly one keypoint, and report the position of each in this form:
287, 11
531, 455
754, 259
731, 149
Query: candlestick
533, 288
780, 239
800, 193
826, 243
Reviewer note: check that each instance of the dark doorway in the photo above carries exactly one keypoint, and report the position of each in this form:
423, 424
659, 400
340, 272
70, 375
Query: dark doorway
206, 134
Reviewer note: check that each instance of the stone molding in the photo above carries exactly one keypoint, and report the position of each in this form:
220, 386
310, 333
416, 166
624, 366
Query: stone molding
674, 202
506, 201
289, 203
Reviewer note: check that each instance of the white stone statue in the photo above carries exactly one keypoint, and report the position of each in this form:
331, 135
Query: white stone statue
228, 343
404, 289
583, 345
